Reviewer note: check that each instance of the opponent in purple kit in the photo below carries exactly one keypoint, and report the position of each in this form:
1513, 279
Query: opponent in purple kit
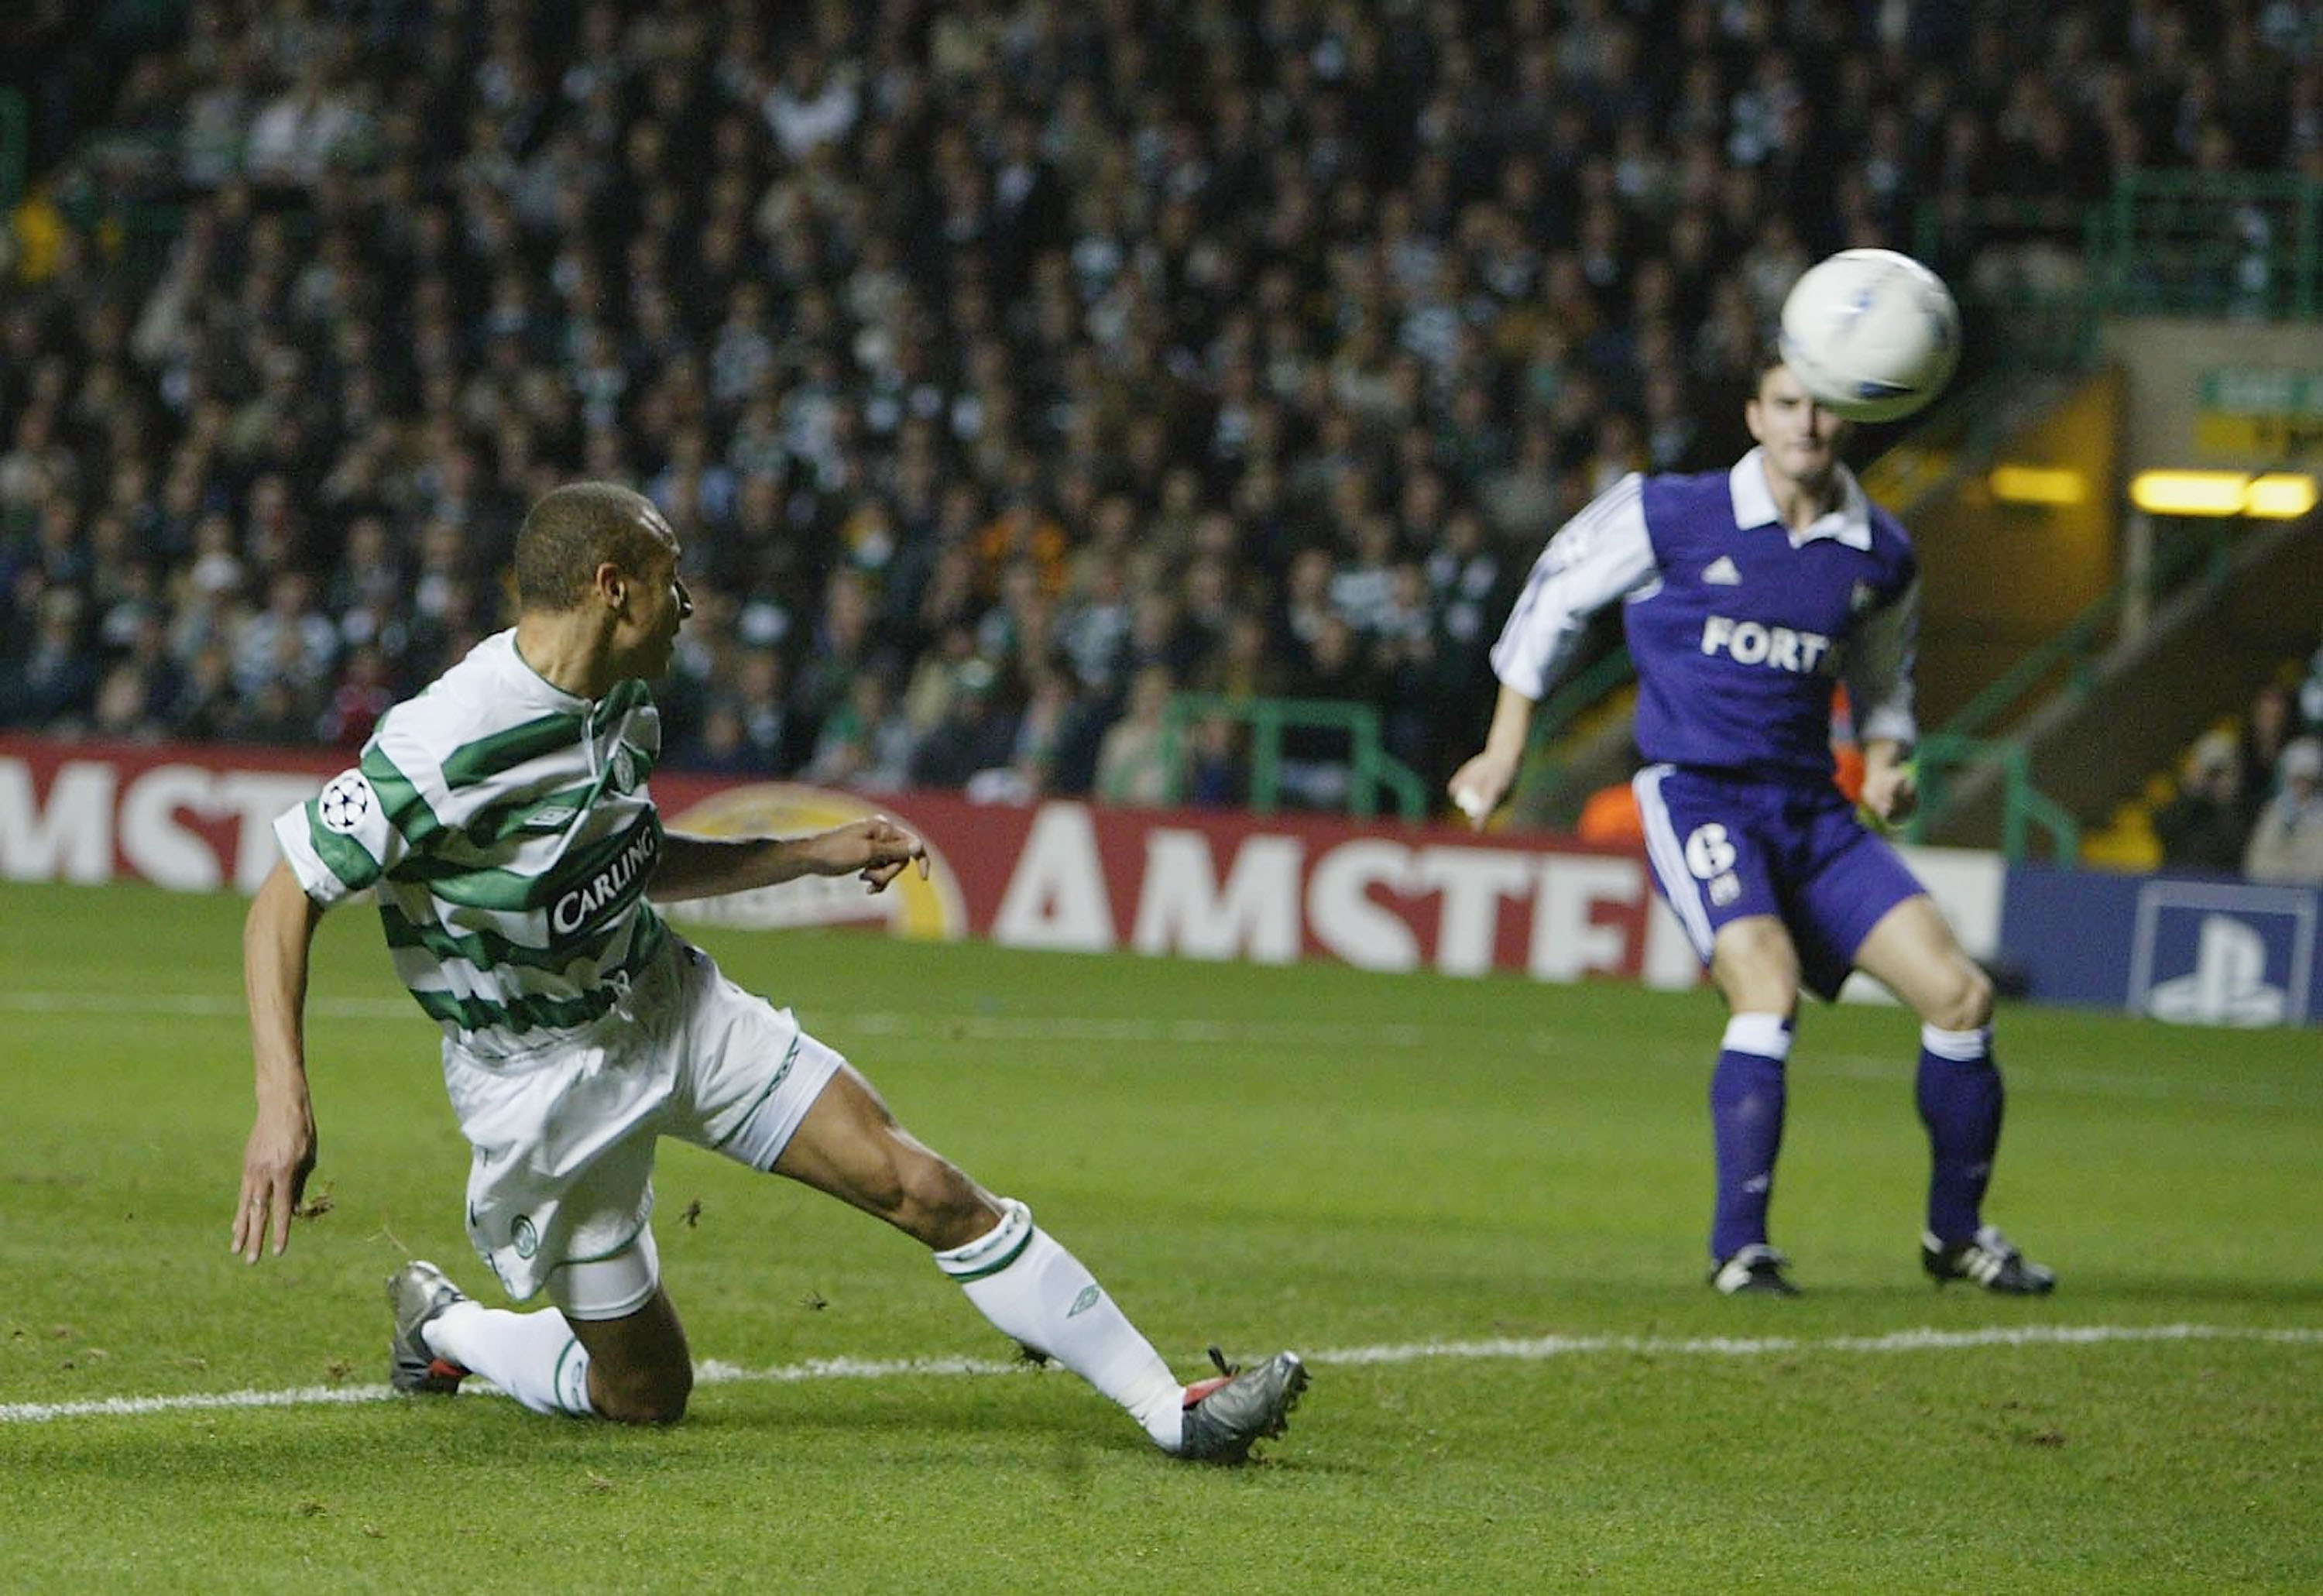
1747, 594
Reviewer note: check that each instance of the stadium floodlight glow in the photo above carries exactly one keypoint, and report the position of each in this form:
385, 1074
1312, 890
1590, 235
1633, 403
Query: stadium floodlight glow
2038, 484
2280, 495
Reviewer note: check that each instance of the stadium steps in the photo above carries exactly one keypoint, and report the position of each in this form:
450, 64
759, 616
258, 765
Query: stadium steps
2128, 842
2094, 745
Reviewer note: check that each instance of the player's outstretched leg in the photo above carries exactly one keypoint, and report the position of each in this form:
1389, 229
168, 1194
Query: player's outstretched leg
442, 1336
1032, 1289
1017, 1275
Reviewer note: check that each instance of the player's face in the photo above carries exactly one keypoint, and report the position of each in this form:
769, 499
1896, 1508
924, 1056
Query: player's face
647, 637
1801, 438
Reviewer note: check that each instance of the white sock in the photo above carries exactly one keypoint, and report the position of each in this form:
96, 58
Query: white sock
533, 1357
1032, 1289
1961, 1047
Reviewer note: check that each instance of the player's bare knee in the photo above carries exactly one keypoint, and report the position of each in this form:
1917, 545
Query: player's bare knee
1963, 1002
1755, 967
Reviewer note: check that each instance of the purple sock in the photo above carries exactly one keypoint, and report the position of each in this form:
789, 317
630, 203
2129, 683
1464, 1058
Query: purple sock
1960, 1103
1746, 1119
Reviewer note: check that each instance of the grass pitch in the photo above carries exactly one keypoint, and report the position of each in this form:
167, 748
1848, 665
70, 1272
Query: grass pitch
1478, 1205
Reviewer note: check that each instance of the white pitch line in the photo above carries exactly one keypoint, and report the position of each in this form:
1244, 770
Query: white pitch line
1529, 1350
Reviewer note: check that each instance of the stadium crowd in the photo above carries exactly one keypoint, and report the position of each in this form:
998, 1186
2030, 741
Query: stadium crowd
1005, 364
2249, 799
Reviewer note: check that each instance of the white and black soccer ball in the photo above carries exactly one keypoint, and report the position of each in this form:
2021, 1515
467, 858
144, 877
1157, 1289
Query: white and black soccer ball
1871, 334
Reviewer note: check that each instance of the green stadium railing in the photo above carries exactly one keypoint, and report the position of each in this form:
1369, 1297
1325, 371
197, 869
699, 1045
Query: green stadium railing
2240, 245
1372, 769
2244, 246
2024, 806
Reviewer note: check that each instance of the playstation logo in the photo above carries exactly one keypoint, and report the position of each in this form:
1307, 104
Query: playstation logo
2227, 985
2214, 953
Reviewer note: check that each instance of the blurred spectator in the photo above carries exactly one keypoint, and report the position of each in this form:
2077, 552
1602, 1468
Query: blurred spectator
1041, 729
1134, 764
720, 745
207, 707
977, 730
365, 690
2267, 731
2286, 843
2205, 826
770, 727
1217, 772
290, 641
865, 744
1318, 769
55, 687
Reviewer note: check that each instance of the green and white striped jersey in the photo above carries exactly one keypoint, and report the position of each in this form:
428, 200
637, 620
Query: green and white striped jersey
506, 828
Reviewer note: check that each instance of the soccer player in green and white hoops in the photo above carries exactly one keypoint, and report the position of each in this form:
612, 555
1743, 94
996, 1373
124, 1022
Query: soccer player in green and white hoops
501, 817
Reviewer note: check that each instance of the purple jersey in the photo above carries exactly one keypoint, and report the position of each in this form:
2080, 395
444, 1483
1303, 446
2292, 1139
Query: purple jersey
1739, 626
1738, 645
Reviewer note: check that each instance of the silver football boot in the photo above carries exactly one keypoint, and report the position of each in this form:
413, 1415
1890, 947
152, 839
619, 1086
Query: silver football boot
1228, 1414
417, 1293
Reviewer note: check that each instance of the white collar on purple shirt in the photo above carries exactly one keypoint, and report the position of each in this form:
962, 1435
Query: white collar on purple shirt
1754, 505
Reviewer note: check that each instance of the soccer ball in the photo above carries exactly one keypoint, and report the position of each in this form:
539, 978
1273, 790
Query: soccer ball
1871, 334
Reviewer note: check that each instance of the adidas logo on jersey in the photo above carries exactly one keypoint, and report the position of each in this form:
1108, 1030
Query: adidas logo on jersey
1722, 573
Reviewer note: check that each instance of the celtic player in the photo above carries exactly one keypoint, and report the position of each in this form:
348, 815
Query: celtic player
503, 820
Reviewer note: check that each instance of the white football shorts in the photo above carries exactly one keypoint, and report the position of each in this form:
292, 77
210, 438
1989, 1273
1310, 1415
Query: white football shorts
560, 1191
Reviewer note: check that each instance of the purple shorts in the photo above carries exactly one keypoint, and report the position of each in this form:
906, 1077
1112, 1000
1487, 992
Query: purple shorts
1724, 846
